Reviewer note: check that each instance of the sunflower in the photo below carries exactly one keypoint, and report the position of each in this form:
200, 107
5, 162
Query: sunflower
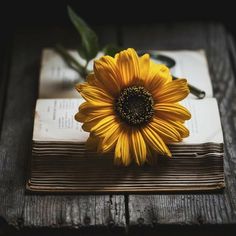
131, 108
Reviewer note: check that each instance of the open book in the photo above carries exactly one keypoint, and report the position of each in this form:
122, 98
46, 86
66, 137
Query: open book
60, 161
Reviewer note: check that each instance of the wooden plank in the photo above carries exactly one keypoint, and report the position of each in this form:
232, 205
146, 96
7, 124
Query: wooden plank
17, 208
20, 210
232, 51
192, 209
5, 61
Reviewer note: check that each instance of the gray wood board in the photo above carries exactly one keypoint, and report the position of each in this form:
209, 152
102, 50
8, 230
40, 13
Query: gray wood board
102, 211
17, 208
192, 209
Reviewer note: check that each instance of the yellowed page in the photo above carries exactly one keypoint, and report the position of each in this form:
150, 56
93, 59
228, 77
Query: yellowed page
54, 121
57, 80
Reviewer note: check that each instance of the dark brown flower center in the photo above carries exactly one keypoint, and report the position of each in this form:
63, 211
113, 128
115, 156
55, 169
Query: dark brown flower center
135, 105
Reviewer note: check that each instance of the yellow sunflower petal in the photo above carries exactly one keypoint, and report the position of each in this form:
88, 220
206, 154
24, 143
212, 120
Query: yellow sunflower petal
158, 76
165, 130
138, 147
128, 64
154, 141
88, 112
80, 117
110, 138
87, 126
104, 125
98, 112
92, 121
172, 111
144, 65
122, 150
129, 141
172, 92
87, 107
107, 73
93, 116
164, 73
184, 132
93, 94
91, 80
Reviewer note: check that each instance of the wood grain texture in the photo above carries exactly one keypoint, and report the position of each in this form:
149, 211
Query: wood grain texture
5, 61
192, 209
17, 208
105, 212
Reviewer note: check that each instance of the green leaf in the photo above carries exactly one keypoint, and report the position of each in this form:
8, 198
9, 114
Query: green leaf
69, 59
111, 49
82, 52
88, 37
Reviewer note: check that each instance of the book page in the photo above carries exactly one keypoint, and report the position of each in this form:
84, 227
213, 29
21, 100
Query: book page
205, 125
57, 80
54, 121
193, 66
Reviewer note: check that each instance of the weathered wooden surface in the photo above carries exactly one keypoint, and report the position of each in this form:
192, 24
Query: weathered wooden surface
103, 212
192, 209
5, 51
18, 209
